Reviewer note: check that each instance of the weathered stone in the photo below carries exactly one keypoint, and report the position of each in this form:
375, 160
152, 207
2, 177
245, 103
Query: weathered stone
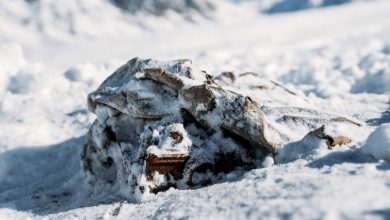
161, 120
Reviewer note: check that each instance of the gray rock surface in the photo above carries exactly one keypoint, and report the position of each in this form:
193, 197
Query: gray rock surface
164, 124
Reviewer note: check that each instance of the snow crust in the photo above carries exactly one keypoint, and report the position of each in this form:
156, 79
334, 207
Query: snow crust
340, 63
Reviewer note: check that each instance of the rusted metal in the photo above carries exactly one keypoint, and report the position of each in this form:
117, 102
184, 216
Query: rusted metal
167, 165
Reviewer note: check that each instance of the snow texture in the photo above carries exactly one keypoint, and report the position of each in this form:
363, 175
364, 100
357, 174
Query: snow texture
160, 7
378, 143
334, 59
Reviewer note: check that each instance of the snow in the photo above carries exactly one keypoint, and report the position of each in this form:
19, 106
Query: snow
268, 161
168, 144
378, 143
52, 55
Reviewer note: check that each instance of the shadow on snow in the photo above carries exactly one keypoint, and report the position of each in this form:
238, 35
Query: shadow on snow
45, 180
385, 118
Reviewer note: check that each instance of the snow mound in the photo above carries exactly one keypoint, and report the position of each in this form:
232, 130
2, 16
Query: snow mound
11, 60
283, 6
29, 85
330, 71
378, 143
160, 7
63, 19
377, 73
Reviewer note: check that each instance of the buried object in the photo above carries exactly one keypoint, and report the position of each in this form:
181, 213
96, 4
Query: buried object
163, 124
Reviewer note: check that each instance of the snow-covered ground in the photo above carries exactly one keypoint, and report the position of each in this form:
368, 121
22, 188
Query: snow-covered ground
53, 53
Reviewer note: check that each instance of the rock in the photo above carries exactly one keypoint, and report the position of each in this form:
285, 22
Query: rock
161, 124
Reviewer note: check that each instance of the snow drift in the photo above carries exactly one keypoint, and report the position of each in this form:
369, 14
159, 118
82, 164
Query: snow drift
378, 143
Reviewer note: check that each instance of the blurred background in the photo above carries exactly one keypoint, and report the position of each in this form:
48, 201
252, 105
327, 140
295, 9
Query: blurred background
158, 26
54, 52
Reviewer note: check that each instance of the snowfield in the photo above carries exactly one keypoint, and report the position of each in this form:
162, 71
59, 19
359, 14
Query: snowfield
336, 58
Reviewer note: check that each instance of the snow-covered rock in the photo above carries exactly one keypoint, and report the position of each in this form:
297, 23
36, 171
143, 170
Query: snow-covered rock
69, 47
164, 124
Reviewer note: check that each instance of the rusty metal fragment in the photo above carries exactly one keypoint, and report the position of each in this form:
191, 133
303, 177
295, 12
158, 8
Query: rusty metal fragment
168, 165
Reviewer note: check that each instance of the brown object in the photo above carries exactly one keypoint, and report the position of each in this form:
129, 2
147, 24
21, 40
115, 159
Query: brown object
167, 165
229, 75
315, 120
165, 77
340, 140
330, 140
177, 137
247, 74
201, 94
288, 90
